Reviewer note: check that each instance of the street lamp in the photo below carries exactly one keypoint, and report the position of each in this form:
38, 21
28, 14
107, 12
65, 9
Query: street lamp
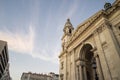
94, 65
94, 68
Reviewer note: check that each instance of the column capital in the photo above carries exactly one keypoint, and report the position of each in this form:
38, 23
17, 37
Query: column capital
80, 63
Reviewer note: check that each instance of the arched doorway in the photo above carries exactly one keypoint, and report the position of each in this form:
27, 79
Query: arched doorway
89, 68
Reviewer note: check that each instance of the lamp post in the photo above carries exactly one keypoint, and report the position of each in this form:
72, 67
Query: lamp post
94, 70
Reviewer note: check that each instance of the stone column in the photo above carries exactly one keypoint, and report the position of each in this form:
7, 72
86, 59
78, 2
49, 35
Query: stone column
77, 70
94, 73
85, 75
82, 68
81, 72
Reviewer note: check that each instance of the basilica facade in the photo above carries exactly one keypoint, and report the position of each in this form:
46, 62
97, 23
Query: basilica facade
92, 51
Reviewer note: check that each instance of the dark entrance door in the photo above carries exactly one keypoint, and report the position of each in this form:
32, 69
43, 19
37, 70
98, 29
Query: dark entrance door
90, 64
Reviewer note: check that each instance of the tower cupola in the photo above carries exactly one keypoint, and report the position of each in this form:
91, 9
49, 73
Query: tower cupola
68, 28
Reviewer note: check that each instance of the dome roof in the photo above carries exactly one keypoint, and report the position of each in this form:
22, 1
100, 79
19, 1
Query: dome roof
107, 5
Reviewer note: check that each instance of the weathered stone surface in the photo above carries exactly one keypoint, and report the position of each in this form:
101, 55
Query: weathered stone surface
93, 48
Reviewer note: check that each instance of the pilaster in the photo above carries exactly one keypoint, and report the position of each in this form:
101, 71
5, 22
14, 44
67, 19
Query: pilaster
101, 53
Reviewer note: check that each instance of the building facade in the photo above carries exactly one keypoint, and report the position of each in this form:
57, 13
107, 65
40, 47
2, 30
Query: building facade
92, 51
35, 76
54, 76
4, 61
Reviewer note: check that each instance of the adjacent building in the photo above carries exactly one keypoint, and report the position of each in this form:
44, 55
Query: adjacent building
4, 61
35, 76
54, 76
92, 50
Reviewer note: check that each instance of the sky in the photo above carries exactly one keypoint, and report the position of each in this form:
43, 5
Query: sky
34, 28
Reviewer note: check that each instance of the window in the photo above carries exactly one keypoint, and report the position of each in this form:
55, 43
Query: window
70, 31
119, 27
1, 70
4, 57
25, 77
6, 53
0, 76
62, 65
61, 76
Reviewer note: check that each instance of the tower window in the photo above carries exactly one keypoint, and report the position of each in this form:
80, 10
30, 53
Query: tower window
62, 65
119, 27
70, 31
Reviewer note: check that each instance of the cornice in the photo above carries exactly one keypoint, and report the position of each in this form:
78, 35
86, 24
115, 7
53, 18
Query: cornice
115, 5
82, 27
62, 53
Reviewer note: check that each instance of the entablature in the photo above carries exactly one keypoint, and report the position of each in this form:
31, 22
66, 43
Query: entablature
62, 53
101, 26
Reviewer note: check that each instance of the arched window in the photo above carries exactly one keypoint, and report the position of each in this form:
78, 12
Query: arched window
90, 63
119, 27
70, 31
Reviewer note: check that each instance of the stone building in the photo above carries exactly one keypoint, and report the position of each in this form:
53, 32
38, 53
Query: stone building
54, 76
92, 51
35, 76
4, 61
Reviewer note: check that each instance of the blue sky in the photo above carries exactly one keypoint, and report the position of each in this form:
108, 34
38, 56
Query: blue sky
33, 30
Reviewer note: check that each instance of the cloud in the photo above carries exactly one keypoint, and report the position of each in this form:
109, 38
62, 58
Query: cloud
73, 9
45, 55
19, 42
24, 43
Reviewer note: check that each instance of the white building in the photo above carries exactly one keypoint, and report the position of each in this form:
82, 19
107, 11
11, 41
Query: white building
35, 76
4, 61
